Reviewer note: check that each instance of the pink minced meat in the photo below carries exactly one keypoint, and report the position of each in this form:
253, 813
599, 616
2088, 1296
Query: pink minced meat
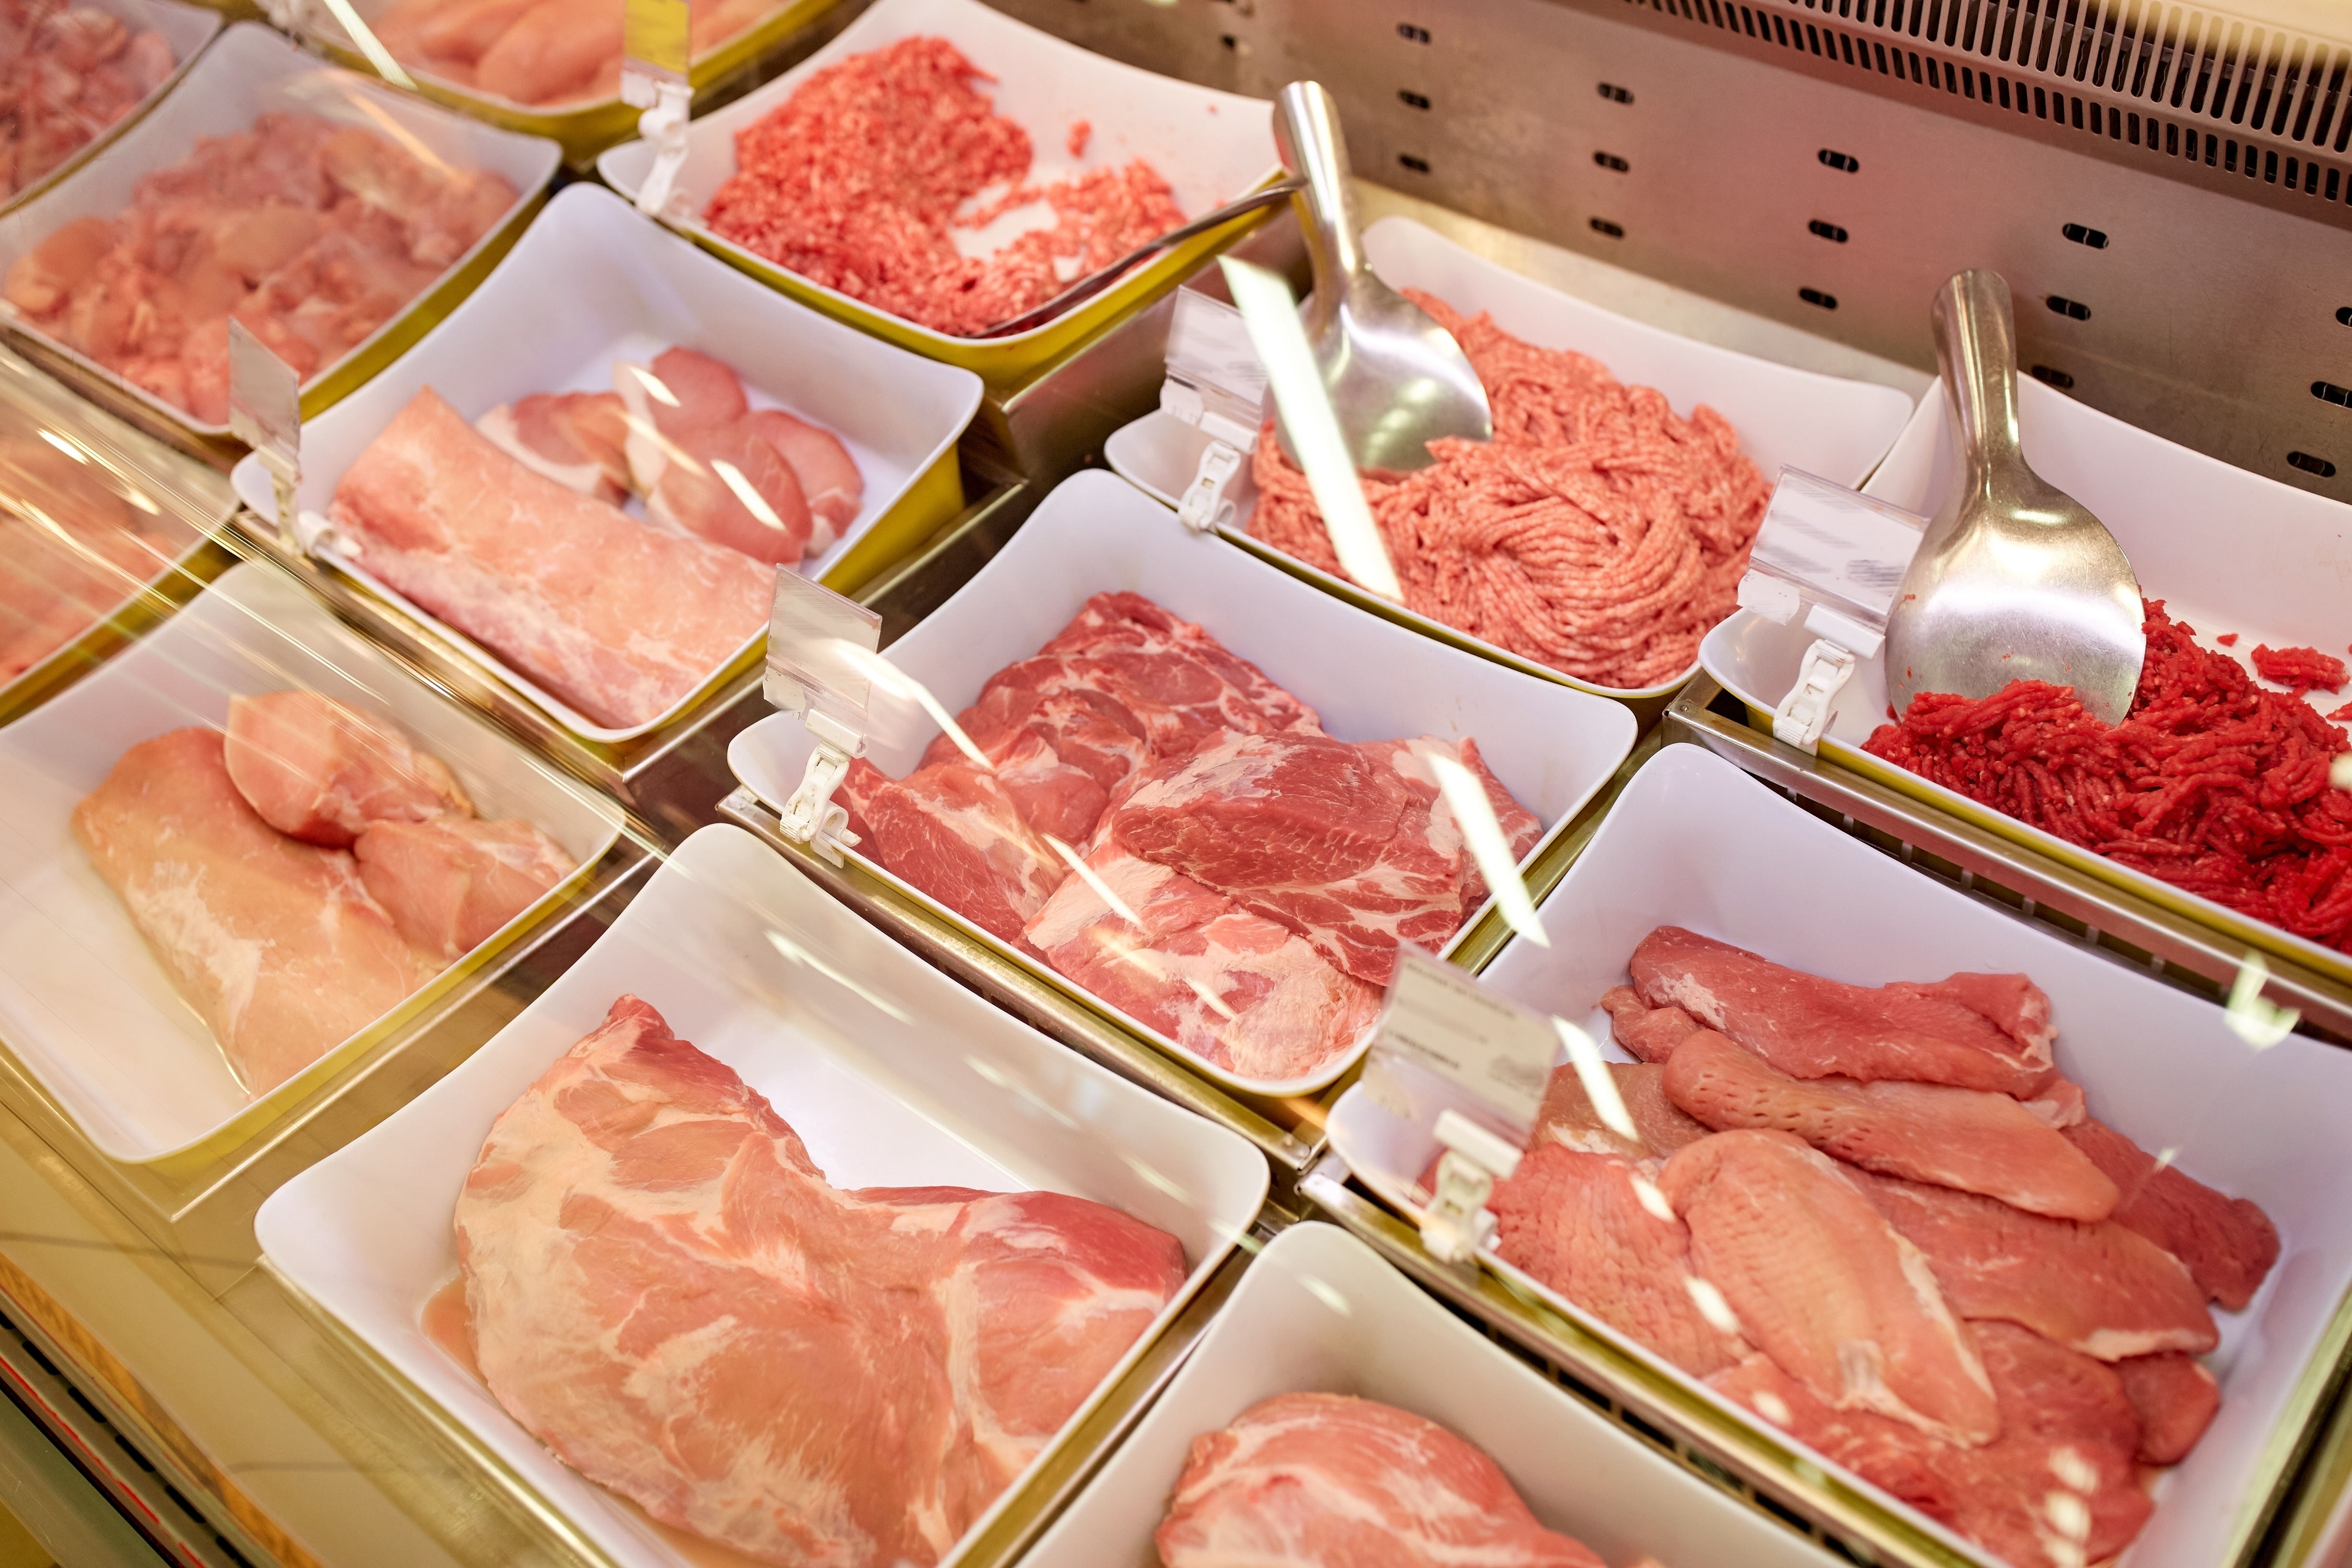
856, 180
1599, 533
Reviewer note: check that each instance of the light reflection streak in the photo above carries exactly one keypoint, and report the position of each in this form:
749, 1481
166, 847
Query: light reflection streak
753, 502
1599, 1083
793, 952
1482, 832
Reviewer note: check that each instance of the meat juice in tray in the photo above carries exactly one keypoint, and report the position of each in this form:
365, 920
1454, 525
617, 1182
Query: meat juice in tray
585, 307
897, 1131
1249, 940
2102, 1342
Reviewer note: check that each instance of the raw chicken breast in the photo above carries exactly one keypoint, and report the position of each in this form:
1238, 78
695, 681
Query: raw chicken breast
274, 943
321, 772
66, 73
556, 50
452, 883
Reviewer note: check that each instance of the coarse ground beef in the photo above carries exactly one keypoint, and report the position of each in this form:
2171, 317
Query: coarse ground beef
1597, 533
2299, 669
2211, 783
855, 182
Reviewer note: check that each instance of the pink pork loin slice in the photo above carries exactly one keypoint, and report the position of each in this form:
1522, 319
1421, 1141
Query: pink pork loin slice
1972, 1031
1821, 1284
620, 620
1233, 987
275, 943
700, 466
577, 439
665, 1291
452, 883
322, 771
2228, 1243
955, 832
1961, 1138
1327, 1481
1661, 1127
828, 477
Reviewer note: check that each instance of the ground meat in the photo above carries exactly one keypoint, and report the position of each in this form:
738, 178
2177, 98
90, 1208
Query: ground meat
855, 182
2299, 669
1597, 533
2211, 783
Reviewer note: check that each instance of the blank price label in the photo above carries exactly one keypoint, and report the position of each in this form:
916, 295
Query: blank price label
1441, 1019
821, 650
658, 37
265, 399
1842, 547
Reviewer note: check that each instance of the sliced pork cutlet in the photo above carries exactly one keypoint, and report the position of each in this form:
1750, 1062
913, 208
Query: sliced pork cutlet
701, 467
1961, 1138
2228, 1243
2103, 1290
1646, 1032
1971, 1031
953, 830
1661, 1128
452, 883
1579, 1223
1822, 1284
2176, 1399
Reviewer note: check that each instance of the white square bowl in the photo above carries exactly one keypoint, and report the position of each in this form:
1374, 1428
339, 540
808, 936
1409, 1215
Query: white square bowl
83, 1002
246, 72
892, 1073
1827, 426
1694, 841
1370, 680
591, 282
185, 28
2226, 550
1319, 1312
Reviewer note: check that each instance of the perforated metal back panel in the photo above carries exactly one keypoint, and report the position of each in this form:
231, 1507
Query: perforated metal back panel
2163, 186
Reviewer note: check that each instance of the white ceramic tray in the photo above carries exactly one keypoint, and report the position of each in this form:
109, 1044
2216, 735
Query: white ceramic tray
2226, 550
1368, 679
186, 28
1785, 417
249, 72
591, 282
83, 1003
1210, 146
1694, 841
892, 1073
1319, 1312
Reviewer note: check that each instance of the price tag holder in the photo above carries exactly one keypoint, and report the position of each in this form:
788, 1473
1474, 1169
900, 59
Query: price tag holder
821, 649
657, 44
1441, 1020
265, 412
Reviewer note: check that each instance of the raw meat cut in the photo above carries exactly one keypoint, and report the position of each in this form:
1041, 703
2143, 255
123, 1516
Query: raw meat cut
953, 830
66, 73
700, 466
1349, 845
1597, 533
1578, 1223
1961, 1138
1325, 1481
1972, 1031
2099, 1289
1232, 987
274, 943
576, 439
75, 549
2175, 1398
1647, 1032
2057, 1489
828, 476
556, 51
861, 179
1824, 1286
312, 233
1567, 1116
452, 883
668, 1292
619, 620
2228, 1243
321, 772
543, 53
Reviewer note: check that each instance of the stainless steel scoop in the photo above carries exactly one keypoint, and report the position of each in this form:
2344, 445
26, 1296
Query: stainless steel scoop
2014, 580
1397, 379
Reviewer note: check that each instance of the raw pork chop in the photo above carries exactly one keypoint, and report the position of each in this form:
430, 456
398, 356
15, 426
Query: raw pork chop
699, 465
2175, 1397
828, 476
620, 620
1973, 1032
1336, 840
452, 883
321, 771
1578, 1223
1324, 1480
274, 943
1961, 1138
2228, 1243
1231, 986
667, 1291
955, 832
1662, 1127
1824, 1286
1646, 1032
575, 438
2057, 1489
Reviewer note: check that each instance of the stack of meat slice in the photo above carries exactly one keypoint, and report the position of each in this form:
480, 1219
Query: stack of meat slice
1245, 879
1882, 1221
301, 874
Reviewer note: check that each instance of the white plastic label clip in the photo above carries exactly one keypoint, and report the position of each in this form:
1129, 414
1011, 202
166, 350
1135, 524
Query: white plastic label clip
820, 645
1804, 713
657, 50
1457, 1221
1204, 506
265, 412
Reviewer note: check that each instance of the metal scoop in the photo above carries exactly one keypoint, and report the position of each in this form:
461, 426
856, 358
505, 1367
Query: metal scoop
1397, 379
2014, 581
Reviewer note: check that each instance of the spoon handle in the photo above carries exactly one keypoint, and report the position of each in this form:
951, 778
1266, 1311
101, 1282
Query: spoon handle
1307, 133
1975, 349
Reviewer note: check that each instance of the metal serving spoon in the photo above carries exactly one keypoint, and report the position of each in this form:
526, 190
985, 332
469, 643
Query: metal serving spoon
1397, 379
2014, 580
